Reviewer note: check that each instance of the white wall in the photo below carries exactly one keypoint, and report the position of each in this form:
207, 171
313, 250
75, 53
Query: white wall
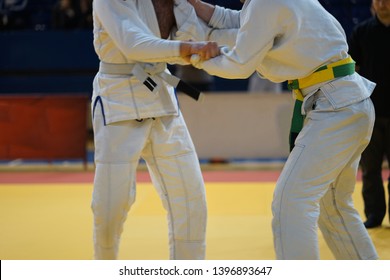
239, 125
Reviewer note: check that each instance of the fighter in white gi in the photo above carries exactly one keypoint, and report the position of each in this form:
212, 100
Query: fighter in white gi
300, 42
136, 115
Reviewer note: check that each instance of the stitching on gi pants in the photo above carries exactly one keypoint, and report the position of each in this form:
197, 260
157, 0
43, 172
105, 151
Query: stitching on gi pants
186, 199
108, 207
331, 239
165, 190
343, 223
186, 196
286, 179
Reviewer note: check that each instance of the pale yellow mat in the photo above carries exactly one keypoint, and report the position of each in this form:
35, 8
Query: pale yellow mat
54, 222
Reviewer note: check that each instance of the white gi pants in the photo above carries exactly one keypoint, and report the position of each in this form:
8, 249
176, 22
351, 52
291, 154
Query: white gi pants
165, 144
316, 185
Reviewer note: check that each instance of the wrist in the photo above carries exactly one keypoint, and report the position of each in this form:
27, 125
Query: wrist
185, 49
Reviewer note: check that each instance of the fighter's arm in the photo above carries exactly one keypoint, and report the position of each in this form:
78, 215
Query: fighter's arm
121, 22
216, 16
127, 31
203, 10
190, 27
253, 42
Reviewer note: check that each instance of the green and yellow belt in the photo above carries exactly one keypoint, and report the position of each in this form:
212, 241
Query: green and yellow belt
325, 73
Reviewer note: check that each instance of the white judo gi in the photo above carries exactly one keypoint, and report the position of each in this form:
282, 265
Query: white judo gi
287, 40
131, 122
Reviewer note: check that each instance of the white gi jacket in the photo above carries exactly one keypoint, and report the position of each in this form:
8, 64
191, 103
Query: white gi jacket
127, 32
283, 40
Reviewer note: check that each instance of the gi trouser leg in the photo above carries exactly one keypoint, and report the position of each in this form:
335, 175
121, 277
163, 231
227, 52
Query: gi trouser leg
340, 223
113, 195
319, 171
176, 174
117, 152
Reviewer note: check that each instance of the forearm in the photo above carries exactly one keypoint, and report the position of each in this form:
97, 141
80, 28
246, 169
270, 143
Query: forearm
203, 10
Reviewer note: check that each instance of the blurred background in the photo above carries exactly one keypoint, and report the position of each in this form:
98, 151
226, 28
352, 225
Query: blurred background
47, 64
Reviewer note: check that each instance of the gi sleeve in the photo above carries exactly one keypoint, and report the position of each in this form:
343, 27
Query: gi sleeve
130, 34
255, 37
189, 26
225, 18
